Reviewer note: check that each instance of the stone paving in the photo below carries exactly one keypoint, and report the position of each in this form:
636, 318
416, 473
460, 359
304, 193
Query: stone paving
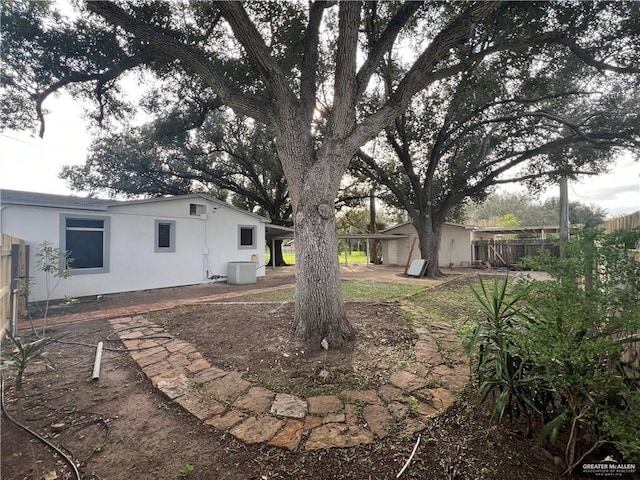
225, 401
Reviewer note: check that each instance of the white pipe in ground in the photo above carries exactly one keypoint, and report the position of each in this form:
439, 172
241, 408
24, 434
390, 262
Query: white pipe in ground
14, 314
96, 364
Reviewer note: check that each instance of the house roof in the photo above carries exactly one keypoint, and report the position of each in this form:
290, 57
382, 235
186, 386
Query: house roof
34, 199
17, 197
200, 196
399, 225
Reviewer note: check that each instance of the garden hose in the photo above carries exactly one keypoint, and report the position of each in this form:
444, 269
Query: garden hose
66, 457
168, 338
109, 338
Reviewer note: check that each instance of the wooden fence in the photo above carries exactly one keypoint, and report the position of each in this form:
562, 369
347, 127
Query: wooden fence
509, 252
14, 269
627, 222
631, 355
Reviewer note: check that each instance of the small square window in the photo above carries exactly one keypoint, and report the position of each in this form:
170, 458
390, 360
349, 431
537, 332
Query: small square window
196, 209
246, 236
165, 236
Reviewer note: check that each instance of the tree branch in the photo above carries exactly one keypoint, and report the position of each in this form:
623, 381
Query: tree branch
249, 37
78, 77
309, 63
422, 73
195, 58
370, 165
588, 59
342, 119
384, 43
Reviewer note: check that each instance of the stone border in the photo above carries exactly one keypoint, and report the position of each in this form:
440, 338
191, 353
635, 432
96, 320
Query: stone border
255, 415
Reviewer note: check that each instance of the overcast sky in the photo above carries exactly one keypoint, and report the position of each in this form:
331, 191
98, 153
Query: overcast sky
33, 164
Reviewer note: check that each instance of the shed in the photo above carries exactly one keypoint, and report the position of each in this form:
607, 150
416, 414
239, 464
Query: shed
455, 245
121, 246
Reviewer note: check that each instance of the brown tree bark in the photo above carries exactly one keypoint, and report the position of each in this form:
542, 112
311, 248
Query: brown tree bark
429, 238
275, 254
319, 307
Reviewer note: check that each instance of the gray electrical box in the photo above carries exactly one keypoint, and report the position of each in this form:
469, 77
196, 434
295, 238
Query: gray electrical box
241, 273
417, 268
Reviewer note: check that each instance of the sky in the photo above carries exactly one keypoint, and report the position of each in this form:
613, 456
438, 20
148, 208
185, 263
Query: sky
33, 164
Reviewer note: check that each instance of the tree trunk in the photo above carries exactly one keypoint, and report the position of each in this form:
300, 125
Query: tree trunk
276, 255
429, 232
319, 307
320, 312
373, 226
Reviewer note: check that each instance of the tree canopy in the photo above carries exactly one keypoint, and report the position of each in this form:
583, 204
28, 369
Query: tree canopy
527, 116
530, 212
309, 73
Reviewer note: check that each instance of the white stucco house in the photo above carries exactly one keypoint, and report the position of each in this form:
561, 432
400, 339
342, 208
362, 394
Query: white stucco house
120, 246
455, 245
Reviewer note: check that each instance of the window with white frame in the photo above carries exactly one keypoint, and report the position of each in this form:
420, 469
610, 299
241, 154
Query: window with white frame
246, 236
86, 239
165, 236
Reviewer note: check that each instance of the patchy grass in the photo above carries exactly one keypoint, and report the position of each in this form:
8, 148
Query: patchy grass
454, 304
277, 296
352, 291
344, 257
311, 386
365, 291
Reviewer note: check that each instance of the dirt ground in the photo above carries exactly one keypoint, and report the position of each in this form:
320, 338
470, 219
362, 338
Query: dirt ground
238, 338
120, 427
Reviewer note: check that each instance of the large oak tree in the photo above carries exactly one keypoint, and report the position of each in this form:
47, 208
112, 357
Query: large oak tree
521, 115
307, 73
469, 134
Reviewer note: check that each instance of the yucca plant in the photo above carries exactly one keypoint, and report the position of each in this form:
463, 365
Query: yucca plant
24, 353
511, 381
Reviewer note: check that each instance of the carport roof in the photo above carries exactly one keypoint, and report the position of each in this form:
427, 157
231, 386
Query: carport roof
511, 230
286, 233
278, 232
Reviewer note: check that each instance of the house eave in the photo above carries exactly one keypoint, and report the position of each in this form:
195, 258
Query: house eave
201, 196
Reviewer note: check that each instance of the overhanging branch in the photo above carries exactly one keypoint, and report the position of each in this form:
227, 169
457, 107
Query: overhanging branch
193, 57
384, 43
78, 77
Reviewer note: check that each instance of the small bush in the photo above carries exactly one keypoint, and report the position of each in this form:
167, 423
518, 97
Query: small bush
555, 349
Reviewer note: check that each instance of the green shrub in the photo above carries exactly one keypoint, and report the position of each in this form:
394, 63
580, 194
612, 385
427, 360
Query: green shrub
562, 359
186, 471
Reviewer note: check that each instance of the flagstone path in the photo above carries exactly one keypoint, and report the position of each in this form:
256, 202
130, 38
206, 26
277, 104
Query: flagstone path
225, 401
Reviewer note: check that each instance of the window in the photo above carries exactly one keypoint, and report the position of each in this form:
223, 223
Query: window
165, 236
195, 209
246, 236
87, 240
